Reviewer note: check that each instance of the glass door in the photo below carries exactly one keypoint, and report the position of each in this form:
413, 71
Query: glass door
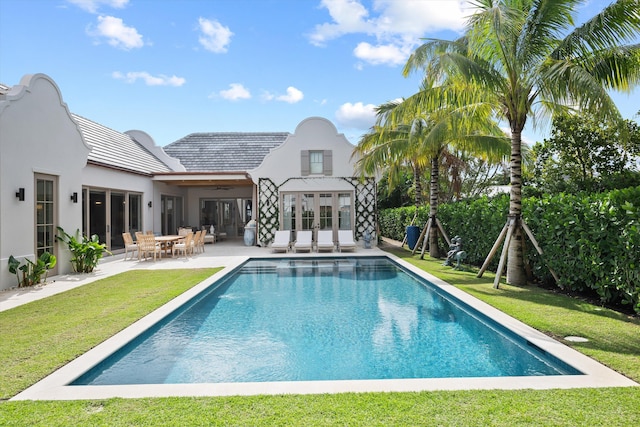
325, 211
45, 216
98, 214
117, 227
317, 211
308, 211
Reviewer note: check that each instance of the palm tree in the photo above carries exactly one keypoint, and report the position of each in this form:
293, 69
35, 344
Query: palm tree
529, 60
405, 132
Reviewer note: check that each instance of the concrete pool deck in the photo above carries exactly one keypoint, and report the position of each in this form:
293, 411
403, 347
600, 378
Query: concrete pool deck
232, 254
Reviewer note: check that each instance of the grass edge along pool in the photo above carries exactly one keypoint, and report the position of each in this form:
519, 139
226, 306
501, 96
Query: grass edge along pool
310, 264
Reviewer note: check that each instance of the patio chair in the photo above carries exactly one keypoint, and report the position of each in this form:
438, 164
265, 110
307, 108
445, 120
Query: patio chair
325, 241
281, 241
303, 241
183, 246
202, 240
129, 245
345, 241
195, 243
147, 245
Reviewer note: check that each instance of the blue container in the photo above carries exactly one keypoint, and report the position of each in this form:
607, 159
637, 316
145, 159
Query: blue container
413, 233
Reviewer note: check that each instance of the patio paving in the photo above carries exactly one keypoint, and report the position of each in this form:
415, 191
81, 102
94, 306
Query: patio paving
219, 254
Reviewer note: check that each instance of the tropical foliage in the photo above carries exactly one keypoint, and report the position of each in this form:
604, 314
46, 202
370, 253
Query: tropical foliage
584, 154
528, 60
85, 252
32, 272
407, 132
591, 242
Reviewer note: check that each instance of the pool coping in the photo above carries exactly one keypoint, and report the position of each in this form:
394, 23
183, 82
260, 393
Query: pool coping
54, 386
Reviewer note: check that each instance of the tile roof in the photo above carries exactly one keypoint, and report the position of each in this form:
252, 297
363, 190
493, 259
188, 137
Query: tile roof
224, 151
116, 149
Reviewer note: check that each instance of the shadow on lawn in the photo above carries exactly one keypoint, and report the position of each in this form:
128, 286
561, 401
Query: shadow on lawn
468, 281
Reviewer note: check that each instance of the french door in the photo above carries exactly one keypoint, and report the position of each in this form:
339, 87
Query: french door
316, 211
46, 221
109, 213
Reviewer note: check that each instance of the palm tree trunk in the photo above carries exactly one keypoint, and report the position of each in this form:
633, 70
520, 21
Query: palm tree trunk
434, 251
515, 262
417, 183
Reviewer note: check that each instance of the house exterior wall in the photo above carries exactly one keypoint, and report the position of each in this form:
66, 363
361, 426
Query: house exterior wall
284, 170
37, 136
97, 177
313, 133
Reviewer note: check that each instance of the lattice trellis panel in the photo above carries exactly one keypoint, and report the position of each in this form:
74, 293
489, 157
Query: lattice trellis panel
269, 207
365, 206
268, 210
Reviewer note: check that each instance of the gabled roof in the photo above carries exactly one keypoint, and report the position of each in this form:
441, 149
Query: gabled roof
224, 151
117, 150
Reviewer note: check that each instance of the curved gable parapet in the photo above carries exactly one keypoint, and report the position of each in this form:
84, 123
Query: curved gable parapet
311, 134
43, 86
147, 142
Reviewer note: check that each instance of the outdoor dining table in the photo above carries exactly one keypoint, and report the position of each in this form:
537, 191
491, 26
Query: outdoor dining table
167, 241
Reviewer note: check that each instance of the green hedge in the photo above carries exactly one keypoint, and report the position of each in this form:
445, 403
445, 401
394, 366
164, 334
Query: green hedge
591, 242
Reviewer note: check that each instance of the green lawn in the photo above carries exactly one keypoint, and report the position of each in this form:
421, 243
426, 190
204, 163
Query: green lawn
43, 335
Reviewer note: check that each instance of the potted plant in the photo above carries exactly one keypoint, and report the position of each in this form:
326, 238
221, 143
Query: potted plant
86, 252
32, 272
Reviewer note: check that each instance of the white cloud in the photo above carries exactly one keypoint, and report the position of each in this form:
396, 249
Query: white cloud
235, 92
117, 33
293, 95
349, 16
215, 37
160, 80
356, 116
396, 26
92, 6
382, 54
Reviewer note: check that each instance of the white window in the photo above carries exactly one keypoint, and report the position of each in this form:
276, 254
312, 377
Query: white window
316, 162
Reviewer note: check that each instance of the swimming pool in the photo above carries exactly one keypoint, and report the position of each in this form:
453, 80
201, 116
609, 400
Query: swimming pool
397, 320
322, 319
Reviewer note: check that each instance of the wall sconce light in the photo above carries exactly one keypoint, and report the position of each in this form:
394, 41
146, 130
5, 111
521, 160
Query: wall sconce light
74, 197
150, 204
20, 194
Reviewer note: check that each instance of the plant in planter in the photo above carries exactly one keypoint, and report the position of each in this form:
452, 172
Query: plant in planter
32, 272
86, 252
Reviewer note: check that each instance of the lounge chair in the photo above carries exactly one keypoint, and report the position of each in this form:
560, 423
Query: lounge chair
345, 241
303, 241
325, 241
281, 241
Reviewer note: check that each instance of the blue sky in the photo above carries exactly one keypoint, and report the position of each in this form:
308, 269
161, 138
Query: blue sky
171, 68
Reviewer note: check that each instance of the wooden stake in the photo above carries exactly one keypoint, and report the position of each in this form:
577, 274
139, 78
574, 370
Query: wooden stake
505, 250
426, 237
404, 240
494, 249
413, 251
538, 248
444, 234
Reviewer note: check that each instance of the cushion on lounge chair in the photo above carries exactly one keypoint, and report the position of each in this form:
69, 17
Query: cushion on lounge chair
325, 241
281, 241
303, 240
345, 240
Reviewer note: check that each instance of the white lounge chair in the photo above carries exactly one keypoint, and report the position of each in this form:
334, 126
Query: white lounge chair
345, 241
325, 241
303, 240
281, 241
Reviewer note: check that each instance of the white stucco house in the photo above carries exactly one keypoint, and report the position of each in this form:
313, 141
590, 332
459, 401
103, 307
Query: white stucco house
60, 169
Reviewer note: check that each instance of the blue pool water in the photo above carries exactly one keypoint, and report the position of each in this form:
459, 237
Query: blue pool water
321, 319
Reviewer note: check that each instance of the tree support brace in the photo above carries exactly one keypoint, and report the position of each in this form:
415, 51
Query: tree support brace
506, 234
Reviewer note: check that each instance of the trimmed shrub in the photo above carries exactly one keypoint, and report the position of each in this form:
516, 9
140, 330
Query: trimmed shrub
592, 242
